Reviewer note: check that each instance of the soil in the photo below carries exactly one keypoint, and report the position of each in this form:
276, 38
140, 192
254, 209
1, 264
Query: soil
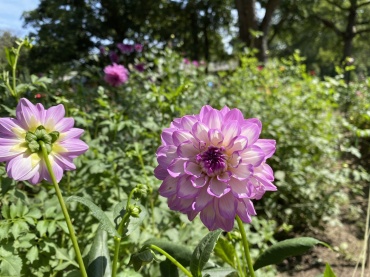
347, 245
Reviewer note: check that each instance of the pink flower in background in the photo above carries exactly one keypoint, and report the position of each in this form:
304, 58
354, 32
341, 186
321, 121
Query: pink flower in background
115, 74
140, 67
20, 137
195, 63
214, 164
138, 47
113, 57
186, 61
125, 48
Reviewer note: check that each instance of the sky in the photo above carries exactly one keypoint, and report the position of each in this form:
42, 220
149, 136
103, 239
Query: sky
10, 15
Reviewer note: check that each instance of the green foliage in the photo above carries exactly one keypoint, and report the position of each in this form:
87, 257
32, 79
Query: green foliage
284, 249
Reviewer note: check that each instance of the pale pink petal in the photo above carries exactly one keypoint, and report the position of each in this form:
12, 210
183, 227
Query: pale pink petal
252, 155
28, 115
187, 122
66, 162
65, 124
187, 150
160, 172
227, 206
202, 200
213, 119
176, 168
239, 188
215, 137
242, 172
193, 169
200, 131
179, 137
237, 144
233, 114
230, 131
74, 147
224, 177
217, 188
204, 111
208, 216
234, 160
166, 155
185, 188
73, 133
21, 167
268, 146
167, 136
251, 129
168, 187
7, 126
199, 182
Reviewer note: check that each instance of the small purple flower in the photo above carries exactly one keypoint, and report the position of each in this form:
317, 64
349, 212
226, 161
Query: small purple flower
138, 47
125, 48
113, 57
115, 74
20, 137
195, 63
102, 50
140, 67
214, 164
186, 61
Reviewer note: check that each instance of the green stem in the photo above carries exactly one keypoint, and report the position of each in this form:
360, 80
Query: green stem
117, 240
172, 259
240, 269
246, 247
64, 209
14, 67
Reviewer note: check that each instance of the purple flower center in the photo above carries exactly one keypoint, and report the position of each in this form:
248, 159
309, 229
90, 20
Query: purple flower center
213, 161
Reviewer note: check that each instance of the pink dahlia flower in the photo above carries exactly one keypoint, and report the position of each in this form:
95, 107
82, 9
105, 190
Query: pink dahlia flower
214, 164
115, 74
20, 136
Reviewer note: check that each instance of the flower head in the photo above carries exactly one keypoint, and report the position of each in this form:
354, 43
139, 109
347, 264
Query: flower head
115, 74
138, 47
125, 48
113, 57
20, 142
214, 164
140, 67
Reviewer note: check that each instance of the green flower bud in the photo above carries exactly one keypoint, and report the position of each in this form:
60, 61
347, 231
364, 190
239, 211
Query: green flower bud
30, 137
34, 146
54, 136
134, 210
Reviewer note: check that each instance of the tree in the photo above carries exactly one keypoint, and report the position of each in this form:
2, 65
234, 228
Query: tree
252, 32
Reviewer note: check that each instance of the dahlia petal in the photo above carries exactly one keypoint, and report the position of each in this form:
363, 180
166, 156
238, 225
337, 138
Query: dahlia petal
7, 154
73, 133
53, 116
268, 146
239, 188
204, 111
237, 144
179, 204
266, 171
215, 137
224, 177
74, 147
176, 168
192, 215
217, 188
234, 114
202, 200
268, 186
252, 155
208, 216
160, 173
230, 131
243, 212
166, 155
65, 162
65, 124
213, 119
28, 115
180, 136
251, 130
242, 172
168, 187
185, 188
199, 182
227, 206
193, 169
167, 136
7, 127
200, 131
187, 150
57, 170
187, 122
224, 111
22, 167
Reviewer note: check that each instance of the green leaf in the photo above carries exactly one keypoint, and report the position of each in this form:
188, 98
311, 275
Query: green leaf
141, 258
99, 264
286, 248
62, 254
10, 56
328, 271
10, 264
202, 252
105, 223
220, 272
226, 251
133, 222
180, 252
42, 227
32, 254
13, 211
18, 228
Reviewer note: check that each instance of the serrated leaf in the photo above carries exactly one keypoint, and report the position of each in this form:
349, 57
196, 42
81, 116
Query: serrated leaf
220, 272
63, 225
180, 252
42, 227
32, 254
202, 252
19, 227
11, 265
105, 223
63, 255
5, 212
133, 222
4, 230
34, 213
99, 264
328, 271
13, 211
226, 251
52, 227
286, 248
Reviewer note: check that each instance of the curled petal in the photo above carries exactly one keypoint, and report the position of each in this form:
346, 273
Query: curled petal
217, 188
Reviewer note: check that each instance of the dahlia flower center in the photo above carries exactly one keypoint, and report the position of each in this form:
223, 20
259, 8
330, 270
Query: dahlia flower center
213, 161
33, 139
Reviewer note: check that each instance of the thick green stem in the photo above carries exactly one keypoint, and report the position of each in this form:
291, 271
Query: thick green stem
64, 209
117, 242
172, 259
246, 247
